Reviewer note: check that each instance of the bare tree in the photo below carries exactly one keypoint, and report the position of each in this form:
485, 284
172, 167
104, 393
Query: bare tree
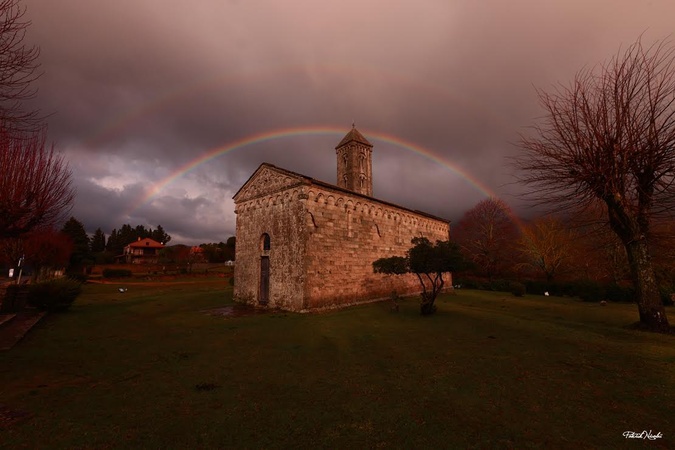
610, 136
547, 246
35, 184
486, 234
18, 69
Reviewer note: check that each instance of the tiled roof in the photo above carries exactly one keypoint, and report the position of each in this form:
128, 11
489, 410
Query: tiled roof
146, 243
354, 135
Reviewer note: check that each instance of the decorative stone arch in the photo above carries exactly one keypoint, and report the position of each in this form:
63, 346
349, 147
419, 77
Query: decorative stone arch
265, 244
330, 200
311, 221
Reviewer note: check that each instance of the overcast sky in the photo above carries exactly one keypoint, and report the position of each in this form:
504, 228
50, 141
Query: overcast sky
138, 89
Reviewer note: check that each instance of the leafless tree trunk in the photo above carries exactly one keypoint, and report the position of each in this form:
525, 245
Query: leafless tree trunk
610, 136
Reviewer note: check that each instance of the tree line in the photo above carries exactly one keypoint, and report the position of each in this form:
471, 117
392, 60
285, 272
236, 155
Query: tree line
554, 248
73, 248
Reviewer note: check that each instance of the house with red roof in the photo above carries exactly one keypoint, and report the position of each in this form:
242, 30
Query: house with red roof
143, 251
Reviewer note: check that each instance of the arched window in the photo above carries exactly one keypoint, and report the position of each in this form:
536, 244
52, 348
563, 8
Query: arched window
265, 241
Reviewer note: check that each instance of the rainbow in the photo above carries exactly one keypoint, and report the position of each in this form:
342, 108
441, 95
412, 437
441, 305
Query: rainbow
282, 133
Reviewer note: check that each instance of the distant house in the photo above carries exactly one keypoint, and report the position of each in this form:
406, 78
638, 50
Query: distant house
143, 251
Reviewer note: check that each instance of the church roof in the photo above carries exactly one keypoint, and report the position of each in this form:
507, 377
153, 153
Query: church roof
309, 180
354, 135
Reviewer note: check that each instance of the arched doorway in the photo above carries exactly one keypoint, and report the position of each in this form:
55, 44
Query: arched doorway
264, 291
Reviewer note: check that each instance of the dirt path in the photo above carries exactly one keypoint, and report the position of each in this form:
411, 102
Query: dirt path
155, 283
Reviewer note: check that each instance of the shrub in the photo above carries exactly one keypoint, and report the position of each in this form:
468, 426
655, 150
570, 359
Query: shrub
537, 287
518, 289
666, 295
468, 283
616, 293
496, 285
54, 295
78, 276
116, 273
590, 291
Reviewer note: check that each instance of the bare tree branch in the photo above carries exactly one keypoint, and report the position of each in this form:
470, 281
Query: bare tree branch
19, 68
35, 186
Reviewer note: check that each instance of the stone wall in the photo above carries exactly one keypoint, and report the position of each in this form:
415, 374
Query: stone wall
282, 216
346, 233
323, 241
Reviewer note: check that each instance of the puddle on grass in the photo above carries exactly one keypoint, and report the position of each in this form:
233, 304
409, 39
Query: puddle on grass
238, 311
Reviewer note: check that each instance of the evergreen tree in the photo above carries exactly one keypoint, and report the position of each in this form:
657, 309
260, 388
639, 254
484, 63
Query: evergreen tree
98, 241
140, 232
160, 235
229, 250
112, 246
81, 255
125, 236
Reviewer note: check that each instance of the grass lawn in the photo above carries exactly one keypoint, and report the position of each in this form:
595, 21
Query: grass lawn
148, 369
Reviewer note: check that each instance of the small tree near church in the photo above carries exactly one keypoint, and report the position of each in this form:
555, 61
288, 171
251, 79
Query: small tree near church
428, 262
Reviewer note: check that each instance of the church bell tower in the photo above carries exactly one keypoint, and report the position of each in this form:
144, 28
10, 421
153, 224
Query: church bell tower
355, 163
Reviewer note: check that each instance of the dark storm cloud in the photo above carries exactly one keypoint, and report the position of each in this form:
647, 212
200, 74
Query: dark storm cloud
141, 88
98, 207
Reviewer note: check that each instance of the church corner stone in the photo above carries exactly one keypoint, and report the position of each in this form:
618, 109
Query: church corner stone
306, 245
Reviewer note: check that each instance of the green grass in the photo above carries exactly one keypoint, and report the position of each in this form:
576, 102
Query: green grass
147, 369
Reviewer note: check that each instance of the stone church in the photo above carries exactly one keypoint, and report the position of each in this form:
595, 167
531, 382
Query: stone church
304, 245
